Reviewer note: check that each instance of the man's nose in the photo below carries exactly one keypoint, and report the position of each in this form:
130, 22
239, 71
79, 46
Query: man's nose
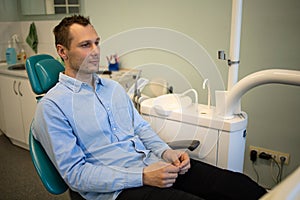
96, 49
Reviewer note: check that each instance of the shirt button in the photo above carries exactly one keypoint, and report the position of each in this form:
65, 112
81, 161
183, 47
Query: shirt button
108, 108
114, 129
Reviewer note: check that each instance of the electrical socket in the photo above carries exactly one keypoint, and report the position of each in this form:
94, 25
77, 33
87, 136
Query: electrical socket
275, 154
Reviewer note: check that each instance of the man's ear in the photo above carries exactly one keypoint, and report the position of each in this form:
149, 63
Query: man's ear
62, 52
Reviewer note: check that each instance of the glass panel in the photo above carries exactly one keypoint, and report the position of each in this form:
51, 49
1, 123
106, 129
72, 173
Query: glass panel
60, 10
73, 9
73, 2
59, 2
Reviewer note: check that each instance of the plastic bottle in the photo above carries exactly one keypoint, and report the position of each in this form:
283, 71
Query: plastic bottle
15, 44
11, 55
23, 56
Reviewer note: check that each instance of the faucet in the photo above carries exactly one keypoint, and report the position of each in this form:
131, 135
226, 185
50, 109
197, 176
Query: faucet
206, 83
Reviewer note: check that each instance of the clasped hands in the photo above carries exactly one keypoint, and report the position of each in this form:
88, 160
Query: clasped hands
164, 173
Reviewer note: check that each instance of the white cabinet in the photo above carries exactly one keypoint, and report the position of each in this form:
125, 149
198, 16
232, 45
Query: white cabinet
49, 7
18, 107
33, 7
2, 125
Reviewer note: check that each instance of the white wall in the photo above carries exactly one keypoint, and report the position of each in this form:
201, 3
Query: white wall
186, 17
270, 39
44, 31
7, 29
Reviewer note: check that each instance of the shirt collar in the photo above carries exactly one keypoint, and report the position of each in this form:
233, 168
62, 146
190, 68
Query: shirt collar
76, 85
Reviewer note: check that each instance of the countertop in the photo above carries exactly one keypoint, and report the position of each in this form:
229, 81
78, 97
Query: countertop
126, 77
19, 73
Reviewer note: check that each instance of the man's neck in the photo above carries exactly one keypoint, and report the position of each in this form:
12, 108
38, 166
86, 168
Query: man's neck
83, 77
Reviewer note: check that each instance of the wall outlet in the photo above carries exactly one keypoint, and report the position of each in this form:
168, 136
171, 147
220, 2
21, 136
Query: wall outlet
275, 154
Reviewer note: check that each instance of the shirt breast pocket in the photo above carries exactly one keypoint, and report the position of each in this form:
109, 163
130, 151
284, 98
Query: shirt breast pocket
123, 118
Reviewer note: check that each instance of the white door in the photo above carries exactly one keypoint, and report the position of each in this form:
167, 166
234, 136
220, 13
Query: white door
27, 105
11, 108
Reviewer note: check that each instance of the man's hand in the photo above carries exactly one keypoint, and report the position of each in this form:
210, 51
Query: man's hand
160, 174
178, 158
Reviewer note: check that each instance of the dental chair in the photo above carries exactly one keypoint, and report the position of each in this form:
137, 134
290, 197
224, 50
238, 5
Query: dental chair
43, 72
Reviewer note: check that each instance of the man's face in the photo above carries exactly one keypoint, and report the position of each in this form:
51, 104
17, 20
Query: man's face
84, 53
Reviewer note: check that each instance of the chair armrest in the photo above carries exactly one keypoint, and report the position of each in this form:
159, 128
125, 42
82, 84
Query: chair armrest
184, 144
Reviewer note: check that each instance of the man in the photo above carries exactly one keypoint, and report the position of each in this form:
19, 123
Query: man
103, 148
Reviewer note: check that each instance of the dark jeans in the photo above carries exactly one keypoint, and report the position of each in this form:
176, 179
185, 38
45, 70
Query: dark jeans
202, 181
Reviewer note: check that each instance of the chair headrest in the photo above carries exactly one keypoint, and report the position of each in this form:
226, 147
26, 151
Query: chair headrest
43, 72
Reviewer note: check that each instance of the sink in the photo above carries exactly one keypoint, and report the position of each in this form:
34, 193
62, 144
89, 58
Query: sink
19, 66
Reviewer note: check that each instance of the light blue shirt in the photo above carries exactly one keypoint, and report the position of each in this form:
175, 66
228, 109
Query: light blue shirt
96, 139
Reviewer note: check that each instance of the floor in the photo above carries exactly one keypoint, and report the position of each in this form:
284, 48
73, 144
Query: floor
18, 177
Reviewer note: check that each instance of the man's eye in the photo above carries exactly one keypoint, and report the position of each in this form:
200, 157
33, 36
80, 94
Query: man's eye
85, 45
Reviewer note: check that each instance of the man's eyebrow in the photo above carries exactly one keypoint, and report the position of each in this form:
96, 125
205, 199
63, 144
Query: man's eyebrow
88, 41
84, 41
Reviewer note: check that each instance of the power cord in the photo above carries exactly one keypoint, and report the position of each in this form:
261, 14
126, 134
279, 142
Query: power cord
253, 158
282, 160
266, 156
276, 180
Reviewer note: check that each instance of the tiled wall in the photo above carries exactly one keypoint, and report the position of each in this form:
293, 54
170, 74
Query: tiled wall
44, 31
6, 30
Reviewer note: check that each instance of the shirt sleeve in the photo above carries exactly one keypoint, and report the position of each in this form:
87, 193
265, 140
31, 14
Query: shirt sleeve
149, 137
52, 128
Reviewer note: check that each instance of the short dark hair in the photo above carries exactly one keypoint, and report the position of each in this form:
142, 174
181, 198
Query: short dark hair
61, 31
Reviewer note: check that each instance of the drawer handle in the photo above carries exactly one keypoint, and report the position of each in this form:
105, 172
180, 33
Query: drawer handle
14, 88
20, 93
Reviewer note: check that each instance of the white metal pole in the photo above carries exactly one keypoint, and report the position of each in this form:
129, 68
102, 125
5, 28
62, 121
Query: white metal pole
235, 38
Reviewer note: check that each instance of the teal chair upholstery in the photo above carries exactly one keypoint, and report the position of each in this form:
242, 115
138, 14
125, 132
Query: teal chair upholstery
43, 72
47, 172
